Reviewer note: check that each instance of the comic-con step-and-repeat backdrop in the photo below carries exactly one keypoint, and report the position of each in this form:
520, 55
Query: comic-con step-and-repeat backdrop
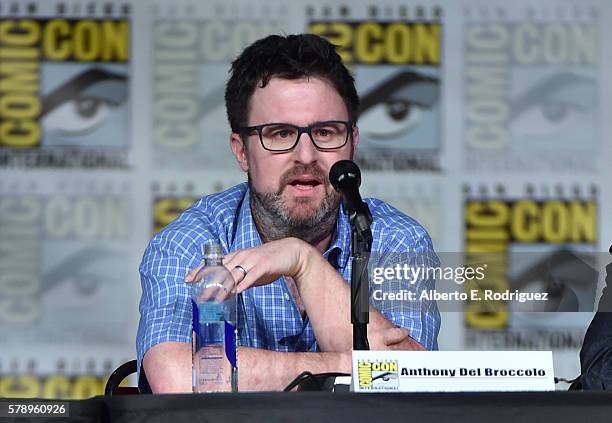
487, 121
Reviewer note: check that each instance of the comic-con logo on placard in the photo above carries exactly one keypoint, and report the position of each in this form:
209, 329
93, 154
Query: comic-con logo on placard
531, 91
397, 68
63, 92
378, 375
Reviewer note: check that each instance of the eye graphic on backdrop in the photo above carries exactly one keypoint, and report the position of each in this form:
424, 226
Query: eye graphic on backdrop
396, 106
560, 101
80, 105
79, 269
568, 279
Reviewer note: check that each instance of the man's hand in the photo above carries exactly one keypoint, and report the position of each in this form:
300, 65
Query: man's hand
263, 264
392, 339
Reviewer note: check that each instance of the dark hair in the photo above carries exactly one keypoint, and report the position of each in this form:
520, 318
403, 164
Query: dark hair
288, 57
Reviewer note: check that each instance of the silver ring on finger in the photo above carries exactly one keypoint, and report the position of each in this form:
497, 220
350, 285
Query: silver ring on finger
243, 270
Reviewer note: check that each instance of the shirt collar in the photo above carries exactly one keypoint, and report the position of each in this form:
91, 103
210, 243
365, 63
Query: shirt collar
247, 235
246, 231
341, 241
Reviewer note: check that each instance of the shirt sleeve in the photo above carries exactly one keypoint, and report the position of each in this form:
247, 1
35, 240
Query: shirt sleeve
165, 305
398, 277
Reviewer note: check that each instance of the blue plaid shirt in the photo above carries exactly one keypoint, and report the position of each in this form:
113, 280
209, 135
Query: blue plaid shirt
267, 315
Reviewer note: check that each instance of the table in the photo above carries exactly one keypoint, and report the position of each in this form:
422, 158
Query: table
514, 407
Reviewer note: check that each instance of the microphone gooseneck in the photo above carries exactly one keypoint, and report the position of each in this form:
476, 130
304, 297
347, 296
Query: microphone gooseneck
345, 177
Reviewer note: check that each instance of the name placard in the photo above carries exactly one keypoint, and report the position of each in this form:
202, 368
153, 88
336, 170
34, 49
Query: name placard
452, 371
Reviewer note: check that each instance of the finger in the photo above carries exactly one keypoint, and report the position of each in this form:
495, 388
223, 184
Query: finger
191, 276
252, 278
238, 272
239, 265
217, 286
232, 255
233, 259
245, 282
394, 335
216, 293
229, 256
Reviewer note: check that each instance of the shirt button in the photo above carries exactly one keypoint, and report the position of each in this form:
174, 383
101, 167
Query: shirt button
286, 297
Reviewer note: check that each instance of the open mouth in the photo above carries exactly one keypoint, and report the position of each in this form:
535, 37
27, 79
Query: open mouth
305, 182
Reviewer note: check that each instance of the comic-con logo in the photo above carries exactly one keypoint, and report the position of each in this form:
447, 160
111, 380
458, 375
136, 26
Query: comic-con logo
168, 208
64, 83
531, 245
378, 375
397, 67
531, 90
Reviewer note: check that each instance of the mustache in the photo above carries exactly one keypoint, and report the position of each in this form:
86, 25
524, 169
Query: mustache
300, 169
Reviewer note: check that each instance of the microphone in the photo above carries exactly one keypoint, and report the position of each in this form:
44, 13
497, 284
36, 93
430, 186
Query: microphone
345, 177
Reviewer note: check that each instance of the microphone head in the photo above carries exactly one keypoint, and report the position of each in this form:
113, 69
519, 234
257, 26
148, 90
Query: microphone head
343, 170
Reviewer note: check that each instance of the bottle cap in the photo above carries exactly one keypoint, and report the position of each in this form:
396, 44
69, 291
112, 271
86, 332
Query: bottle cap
212, 251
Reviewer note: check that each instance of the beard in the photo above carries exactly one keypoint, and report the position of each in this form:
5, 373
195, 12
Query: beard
275, 219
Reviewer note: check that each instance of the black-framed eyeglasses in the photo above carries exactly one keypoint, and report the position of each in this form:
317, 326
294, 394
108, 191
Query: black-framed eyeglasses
279, 137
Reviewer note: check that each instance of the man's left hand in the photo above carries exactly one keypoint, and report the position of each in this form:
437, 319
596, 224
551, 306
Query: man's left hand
264, 264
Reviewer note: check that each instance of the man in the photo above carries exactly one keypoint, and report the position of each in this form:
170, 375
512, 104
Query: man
596, 351
292, 107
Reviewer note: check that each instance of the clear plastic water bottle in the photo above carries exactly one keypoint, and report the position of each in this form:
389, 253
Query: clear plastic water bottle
215, 330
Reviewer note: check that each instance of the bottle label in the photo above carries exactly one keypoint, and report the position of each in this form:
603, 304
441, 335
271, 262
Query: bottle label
213, 372
211, 312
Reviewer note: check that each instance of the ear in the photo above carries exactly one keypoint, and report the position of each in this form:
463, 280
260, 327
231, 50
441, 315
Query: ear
240, 151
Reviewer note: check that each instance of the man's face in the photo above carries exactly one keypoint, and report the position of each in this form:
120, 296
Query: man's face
298, 179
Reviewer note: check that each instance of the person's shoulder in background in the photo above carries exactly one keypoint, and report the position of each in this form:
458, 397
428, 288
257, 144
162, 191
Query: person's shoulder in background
596, 351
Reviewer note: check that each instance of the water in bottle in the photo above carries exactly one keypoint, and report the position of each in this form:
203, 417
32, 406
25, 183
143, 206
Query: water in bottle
215, 330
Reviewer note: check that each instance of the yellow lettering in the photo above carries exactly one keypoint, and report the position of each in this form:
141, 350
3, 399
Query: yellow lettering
427, 43
397, 42
368, 43
85, 387
20, 76
487, 213
583, 225
19, 106
18, 53
19, 387
338, 33
524, 224
116, 41
166, 210
87, 41
24, 134
57, 387
23, 32
365, 374
555, 222
55, 40
487, 243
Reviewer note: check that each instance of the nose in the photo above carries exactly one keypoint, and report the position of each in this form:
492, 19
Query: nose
305, 151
